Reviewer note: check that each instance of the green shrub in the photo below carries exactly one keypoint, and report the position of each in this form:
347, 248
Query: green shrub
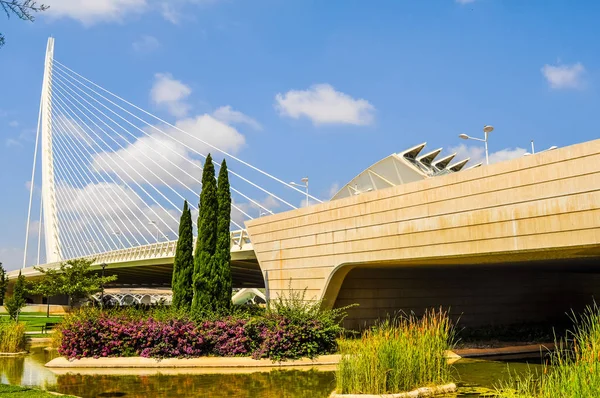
12, 336
573, 370
397, 355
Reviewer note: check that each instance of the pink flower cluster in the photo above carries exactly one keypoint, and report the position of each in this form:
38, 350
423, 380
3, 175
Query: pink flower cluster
109, 336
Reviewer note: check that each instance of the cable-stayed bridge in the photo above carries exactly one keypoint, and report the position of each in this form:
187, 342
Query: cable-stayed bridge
114, 176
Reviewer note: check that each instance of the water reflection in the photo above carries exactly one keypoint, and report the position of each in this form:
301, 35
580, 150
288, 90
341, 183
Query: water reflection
289, 383
475, 377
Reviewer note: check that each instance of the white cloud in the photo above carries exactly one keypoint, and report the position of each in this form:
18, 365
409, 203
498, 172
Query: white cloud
564, 76
174, 10
90, 12
227, 115
10, 142
158, 159
146, 44
170, 13
465, 1
324, 105
14, 123
333, 189
477, 154
171, 94
253, 209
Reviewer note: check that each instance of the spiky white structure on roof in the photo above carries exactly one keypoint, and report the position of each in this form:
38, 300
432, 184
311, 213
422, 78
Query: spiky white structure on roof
401, 168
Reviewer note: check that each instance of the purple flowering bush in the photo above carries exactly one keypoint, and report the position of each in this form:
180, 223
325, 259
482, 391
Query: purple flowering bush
92, 333
292, 328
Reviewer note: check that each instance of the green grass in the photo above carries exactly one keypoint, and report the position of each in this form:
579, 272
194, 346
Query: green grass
573, 370
24, 392
396, 356
35, 322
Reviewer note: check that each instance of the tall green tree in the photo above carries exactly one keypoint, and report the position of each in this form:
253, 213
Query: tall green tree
48, 286
76, 279
183, 264
3, 284
222, 258
16, 302
204, 277
22, 9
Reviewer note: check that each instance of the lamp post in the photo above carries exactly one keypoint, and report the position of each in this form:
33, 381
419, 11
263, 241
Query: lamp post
152, 222
305, 181
486, 130
103, 265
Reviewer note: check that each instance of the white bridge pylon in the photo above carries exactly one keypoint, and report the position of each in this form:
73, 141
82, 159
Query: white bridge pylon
114, 176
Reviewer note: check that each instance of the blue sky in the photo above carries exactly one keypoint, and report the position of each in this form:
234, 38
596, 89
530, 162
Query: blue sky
316, 88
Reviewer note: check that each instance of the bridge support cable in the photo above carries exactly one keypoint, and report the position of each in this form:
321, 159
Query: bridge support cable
60, 104
74, 175
121, 158
91, 177
169, 148
74, 77
184, 132
155, 128
31, 188
71, 200
106, 198
148, 157
81, 155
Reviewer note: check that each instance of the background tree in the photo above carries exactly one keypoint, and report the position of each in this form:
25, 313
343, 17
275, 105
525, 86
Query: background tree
3, 284
76, 279
222, 258
17, 301
183, 263
48, 286
204, 278
23, 9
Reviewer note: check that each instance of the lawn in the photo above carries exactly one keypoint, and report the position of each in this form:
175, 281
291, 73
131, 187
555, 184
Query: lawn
25, 392
35, 322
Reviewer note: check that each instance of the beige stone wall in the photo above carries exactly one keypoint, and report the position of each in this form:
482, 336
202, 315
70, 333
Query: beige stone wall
536, 207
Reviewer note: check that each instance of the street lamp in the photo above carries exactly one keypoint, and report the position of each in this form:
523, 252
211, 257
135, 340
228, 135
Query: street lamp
305, 181
152, 222
103, 265
486, 130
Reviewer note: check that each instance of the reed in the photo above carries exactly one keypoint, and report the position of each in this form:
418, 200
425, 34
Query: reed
397, 355
573, 369
12, 336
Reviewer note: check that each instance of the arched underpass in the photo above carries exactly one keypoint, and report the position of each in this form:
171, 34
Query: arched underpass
481, 295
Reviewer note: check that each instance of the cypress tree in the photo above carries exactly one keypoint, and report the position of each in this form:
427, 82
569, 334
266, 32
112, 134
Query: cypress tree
204, 277
223, 251
183, 263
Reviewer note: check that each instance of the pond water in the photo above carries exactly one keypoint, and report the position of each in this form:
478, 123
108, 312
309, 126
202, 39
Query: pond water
474, 377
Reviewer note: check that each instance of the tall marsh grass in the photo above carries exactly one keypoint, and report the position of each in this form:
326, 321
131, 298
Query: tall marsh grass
573, 370
12, 336
397, 355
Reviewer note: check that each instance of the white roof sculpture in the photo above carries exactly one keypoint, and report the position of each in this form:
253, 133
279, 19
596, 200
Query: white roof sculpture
401, 168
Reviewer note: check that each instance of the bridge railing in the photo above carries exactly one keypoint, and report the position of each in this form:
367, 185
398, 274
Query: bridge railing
240, 241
